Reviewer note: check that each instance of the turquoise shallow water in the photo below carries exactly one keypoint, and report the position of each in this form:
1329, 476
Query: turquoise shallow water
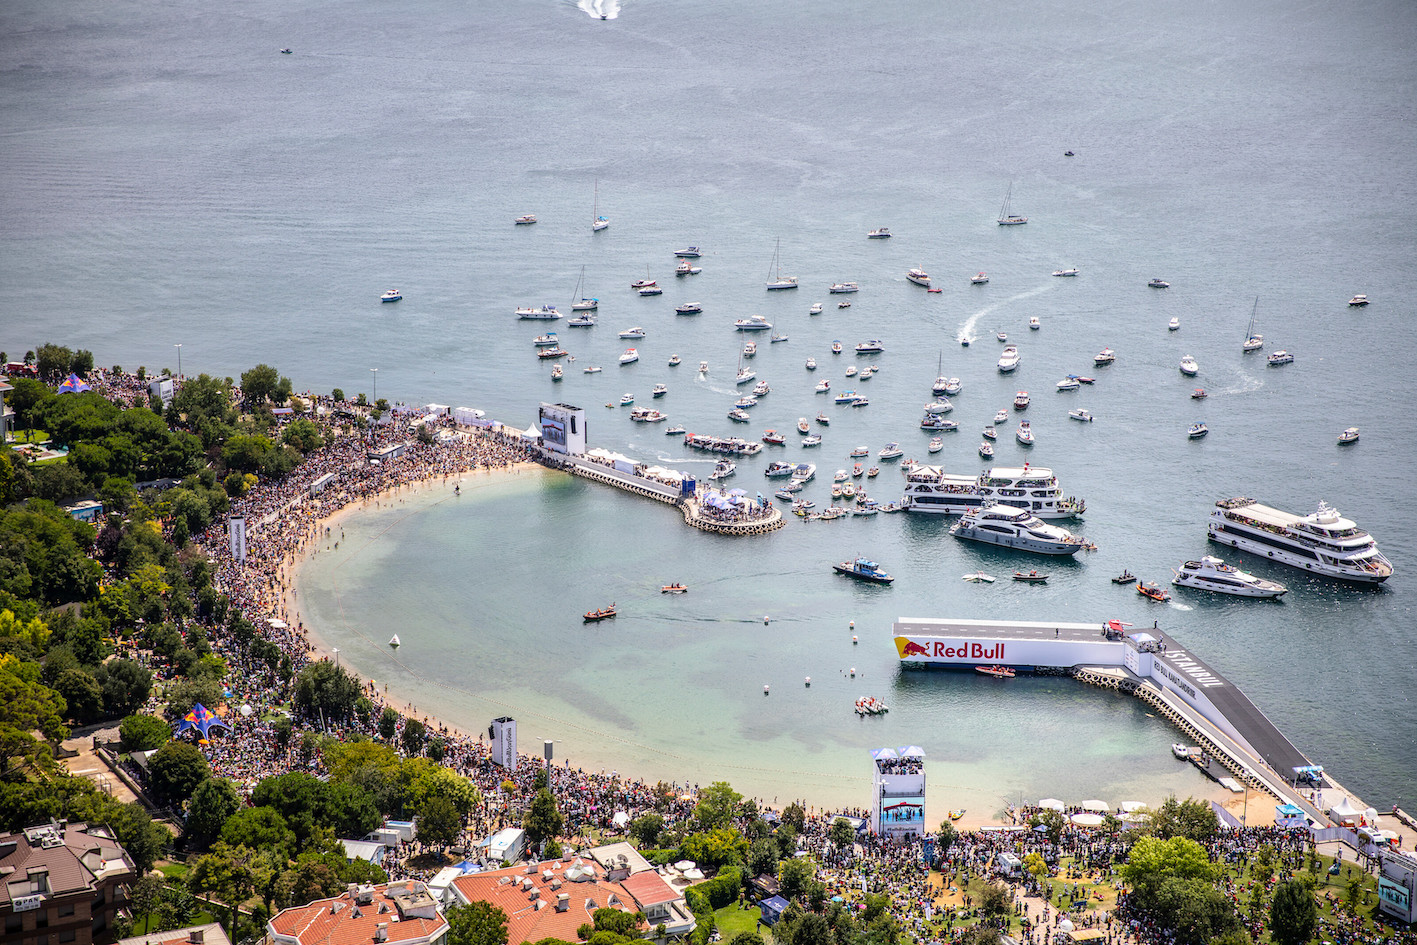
171, 178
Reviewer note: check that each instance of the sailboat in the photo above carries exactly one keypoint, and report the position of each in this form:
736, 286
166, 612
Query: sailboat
599, 222
579, 303
1253, 341
941, 382
775, 277
1005, 217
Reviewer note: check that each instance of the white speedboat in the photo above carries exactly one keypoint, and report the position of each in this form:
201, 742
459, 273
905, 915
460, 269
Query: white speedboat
525, 219
881, 234
840, 476
646, 415
592, 369
979, 577
686, 268
846, 396
859, 452
1189, 367
851, 370
630, 356
627, 400
1065, 272
816, 309
651, 290
936, 444
1197, 430
1024, 433
953, 386
1068, 383
1033, 323
1003, 336
1358, 301
823, 387
1348, 436
939, 406
979, 279
1281, 357
723, 469
1021, 400
990, 432
1173, 325
557, 373
752, 323
1212, 574
739, 415
636, 332
761, 388
1105, 356
674, 360
811, 364
836, 347
986, 449
703, 367
1016, 528
544, 312
393, 295
919, 277
548, 340
932, 422
839, 288
1322, 543
691, 253
1008, 360
750, 349
870, 347
890, 451
1081, 413
583, 320
659, 390
812, 440
1159, 284
688, 308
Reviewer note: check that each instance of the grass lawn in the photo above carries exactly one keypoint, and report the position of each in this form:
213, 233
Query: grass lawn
731, 920
173, 870
29, 436
143, 924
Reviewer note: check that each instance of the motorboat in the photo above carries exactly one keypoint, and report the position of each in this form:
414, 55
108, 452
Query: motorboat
1199, 394
978, 279
1003, 337
1348, 436
986, 449
1065, 272
859, 451
824, 420
686, 268
287, 51
836, 347
1189, 367
659, 390
688, 308
651, 290
1159, 284
998, 672
870, 705
1002, 416
1358, 301
723, 469
773, 437
675, 431
823, 387
636, 332
761, 388
841, 475
592, 369
548, 340
583, 320
812, 440
644, 283
1184, 752
1024, 433
857, 470
811, 364
1031, 576
919, 277
870, 347
1081, 413
935, 422
1323, 542
840, 288
548, 353
674, 589
750, 349
674, 360
953, 386
868, 372
1068, 383
872, 473
627, 400
1209, 573
804, 426
979, 577
703, 367
990, 432
856, 402
1033, 323
1083, 380
936, 444
846, 397
816, 309
744, 375
881, 234
803, 473
1197, 430
1153, 591
863, 569
1126, 577
1281, 357
630, 356
739, 415
557, 373
1015, 528
544, 312
752, 323
691, 252
603, 613
1105, 356
843, 304
744, 403
778, 280
779, 470
1008, 360
851, 370
939, 407
890, 451
525, 219
1021, 400
393, 295
647, 415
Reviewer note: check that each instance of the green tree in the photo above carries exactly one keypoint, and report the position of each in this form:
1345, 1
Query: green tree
1152, 860
993, 899
1293, 916
388, 723
945, 838
478, 923
143, 733
715, 848
52, 361
543, 818
226, 875
126, 685
214, 800
645, 829
27, 706
81, 693
794, 816
259, 828
794, 875
302, 434
259, 384
1193, 819
1051, 820
174, 772
439, 823
81, 363
326, 688
717, 805
414, 734
842, 833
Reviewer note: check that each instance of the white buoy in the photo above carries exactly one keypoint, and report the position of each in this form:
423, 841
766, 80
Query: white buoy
853, 670
852, 625
853, 640
765, 618
809, 680
765, 689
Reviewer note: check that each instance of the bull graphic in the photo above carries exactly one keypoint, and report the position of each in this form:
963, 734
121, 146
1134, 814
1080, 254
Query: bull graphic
909, 647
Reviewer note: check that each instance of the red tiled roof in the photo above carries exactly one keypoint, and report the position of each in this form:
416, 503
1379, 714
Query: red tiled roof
342, 921
527, 923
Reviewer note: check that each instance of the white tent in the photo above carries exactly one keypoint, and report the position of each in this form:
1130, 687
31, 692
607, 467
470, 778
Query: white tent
621, 818
1052, 803
1087, 820
532, 432
1132, 807
1344, 812
1096, 806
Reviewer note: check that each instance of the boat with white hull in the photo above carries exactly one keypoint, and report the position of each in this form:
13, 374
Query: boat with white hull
1016, 528
932, 490
1212, 574
1322, 543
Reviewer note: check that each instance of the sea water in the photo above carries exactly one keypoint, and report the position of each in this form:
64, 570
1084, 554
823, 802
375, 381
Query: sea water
171, 178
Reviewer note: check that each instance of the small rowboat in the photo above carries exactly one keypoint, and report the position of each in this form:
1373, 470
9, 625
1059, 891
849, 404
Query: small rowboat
603, 614
674, 589
956, 814
1031, 577
998, 672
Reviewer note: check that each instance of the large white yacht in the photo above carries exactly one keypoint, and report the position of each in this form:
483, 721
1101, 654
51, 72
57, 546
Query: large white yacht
544, 312
1008, 360
1212, 574
1016, 528
1035, 488
1324, 542
919, 277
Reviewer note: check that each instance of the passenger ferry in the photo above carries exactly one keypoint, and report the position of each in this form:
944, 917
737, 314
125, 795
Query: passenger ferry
1324, 542
1035, 488
1016, 528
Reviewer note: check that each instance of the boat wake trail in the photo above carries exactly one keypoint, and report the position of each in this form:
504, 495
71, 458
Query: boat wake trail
600, 9
966, 330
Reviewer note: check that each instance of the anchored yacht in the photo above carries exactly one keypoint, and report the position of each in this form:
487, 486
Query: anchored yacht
1212, 574
1324, 542
1016, 528
1035, 488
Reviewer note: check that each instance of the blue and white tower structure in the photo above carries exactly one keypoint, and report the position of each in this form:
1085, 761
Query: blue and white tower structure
898, 802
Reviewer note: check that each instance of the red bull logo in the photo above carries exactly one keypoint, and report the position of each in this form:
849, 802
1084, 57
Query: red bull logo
949, 650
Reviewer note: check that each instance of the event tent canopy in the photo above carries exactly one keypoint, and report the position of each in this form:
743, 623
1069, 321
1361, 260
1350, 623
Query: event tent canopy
201, 719
1052, 803
1087, 820
1096, 806
73, 384
1344, 811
